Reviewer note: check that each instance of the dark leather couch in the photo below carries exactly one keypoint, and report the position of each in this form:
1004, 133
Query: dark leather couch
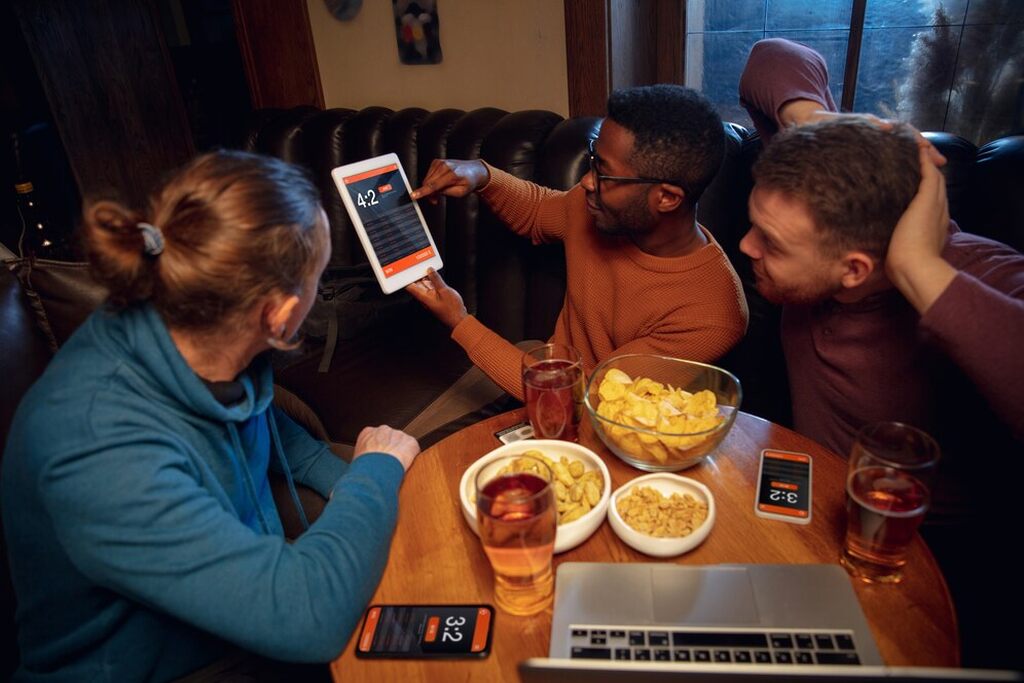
393, 369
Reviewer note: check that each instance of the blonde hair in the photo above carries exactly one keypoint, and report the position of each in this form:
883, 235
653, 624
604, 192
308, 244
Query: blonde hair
236, 227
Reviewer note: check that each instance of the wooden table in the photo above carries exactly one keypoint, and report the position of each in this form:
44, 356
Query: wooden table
436, 558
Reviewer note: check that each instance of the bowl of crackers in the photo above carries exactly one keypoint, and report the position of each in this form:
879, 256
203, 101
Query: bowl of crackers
661, 414
662, 514
580, 480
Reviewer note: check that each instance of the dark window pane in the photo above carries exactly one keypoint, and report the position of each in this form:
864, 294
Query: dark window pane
786, 15
906, 74
988, 92
714, 62
831, 45
914, 13
724, 15
996, 11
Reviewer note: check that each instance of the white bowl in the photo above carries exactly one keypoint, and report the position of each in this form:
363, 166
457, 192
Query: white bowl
570, 534
667, 484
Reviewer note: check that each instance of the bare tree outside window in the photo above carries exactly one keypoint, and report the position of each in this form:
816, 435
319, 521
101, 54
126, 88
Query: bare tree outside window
983, 101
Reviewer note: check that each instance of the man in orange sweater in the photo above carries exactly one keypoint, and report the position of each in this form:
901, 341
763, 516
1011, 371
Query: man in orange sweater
642, 275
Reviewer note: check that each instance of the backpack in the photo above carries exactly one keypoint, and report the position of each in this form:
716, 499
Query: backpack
349, 302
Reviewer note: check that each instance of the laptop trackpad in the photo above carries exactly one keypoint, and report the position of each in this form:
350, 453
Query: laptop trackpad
696, 595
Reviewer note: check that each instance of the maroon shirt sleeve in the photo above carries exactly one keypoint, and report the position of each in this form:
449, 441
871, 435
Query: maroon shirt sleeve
779, 71
978, 321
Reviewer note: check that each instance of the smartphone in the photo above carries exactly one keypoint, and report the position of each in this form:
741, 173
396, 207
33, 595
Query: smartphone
425, 631
784, 486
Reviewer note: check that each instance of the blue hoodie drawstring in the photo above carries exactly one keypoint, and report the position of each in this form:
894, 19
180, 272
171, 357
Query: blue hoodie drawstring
236, 443
287, 470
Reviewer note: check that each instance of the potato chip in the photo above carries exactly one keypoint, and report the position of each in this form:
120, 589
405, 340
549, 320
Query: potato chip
645, 404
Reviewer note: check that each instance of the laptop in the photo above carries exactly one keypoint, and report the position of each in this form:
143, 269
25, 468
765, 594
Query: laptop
647, 622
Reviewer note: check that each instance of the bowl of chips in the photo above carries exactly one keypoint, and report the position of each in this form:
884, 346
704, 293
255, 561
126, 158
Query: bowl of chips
662, 514
580, 481
661, 414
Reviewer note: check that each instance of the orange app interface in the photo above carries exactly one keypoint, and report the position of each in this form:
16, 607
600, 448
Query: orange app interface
390, 218
785, 479
425, 630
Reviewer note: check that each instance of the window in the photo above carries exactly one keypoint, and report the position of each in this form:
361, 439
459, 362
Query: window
953, 65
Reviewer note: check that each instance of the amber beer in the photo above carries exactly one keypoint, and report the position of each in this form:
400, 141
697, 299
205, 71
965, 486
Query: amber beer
884, 507
553, 390
887, 496
516, 517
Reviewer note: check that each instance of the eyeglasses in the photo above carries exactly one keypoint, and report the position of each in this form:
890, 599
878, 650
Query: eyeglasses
598, 177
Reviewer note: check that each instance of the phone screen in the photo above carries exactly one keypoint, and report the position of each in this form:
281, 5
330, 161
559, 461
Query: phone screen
420, 631
384, 206
784, 485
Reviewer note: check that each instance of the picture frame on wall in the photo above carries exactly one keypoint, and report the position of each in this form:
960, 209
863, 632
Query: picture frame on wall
417, 31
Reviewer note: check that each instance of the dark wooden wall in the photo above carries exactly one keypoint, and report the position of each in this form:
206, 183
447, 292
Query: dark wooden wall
277, 49
111, 90
620, 43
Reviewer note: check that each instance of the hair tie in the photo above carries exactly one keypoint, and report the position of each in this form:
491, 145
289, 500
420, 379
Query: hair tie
152, 239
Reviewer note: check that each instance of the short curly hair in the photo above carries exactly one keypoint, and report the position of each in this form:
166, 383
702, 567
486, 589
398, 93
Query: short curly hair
677, 134
855, 178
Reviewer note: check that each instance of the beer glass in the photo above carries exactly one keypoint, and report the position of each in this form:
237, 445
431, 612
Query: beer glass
553, 388
888, 491
516, 516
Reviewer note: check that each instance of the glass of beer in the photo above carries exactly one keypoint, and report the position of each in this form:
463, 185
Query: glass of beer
517, 518
888, 491
553, 387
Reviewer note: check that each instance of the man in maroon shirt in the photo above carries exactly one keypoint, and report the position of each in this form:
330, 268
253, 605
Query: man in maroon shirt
891, 313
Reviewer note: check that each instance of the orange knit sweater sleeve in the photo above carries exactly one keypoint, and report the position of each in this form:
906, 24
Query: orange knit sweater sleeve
528, 209
497, 357
532, 211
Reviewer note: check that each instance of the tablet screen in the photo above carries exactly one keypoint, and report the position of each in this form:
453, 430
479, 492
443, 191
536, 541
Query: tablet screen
387, 212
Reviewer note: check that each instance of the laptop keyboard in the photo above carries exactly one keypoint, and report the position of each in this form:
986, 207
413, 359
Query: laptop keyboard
713, 647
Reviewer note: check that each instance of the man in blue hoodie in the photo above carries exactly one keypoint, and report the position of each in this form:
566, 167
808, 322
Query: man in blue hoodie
143, 539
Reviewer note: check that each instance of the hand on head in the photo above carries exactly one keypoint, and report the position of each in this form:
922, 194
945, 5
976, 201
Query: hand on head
452, 178
802, 112
914, 260
384, 439
440, 299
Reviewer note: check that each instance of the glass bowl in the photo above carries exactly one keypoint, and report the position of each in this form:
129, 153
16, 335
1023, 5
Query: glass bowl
652, 426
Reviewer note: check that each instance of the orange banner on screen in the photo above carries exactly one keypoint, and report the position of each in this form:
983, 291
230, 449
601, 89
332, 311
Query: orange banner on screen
369, 174
784, 485
396, 267
483, 622
794, 457
779, 510
432, 625
372, 617
386, 187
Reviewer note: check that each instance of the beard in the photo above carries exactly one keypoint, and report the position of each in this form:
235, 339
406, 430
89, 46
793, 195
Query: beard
812, 291
633, 219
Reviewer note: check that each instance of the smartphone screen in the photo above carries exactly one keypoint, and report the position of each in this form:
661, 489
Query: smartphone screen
784, 486
420, 631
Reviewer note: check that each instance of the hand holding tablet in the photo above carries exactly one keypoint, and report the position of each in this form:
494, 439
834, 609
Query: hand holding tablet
444, 302
390, 225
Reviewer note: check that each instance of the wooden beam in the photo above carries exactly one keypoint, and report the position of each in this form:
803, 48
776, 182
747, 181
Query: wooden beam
587, 56
112, 91
278, 53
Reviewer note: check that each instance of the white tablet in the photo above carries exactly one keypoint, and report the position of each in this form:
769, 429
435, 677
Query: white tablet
387, 220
